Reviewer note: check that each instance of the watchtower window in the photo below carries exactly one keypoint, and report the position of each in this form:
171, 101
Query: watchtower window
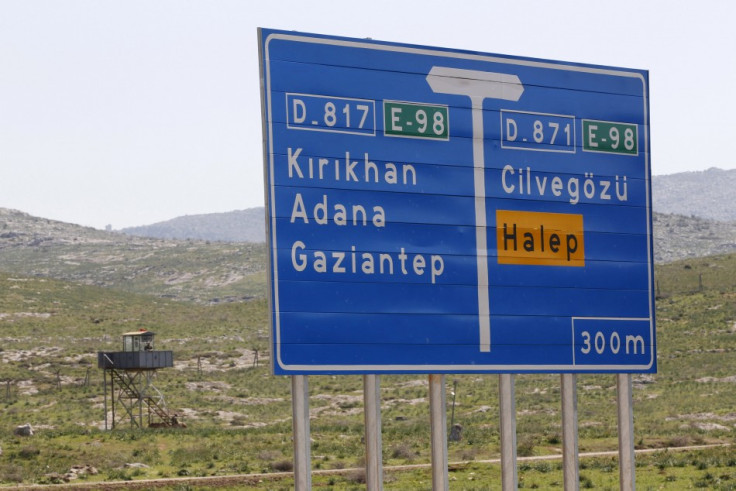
146, 342
138, 341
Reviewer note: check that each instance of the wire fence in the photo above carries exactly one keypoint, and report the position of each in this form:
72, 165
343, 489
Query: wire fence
690, 281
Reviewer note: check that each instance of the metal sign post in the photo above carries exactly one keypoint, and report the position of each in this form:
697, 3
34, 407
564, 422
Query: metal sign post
300, 422
438, 424
625, 406
373, 453
568, 390
507, 409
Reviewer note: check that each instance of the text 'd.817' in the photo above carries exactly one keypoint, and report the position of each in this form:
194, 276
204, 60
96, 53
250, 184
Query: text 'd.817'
330, 114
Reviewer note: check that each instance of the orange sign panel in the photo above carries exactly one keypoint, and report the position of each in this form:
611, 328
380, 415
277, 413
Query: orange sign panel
542, 239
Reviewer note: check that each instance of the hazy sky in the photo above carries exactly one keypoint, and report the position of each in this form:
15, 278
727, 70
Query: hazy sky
131, 112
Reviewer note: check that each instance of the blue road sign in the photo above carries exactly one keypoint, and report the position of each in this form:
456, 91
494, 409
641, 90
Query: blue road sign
442, 211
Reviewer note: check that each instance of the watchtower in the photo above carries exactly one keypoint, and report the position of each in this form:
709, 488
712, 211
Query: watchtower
131, 372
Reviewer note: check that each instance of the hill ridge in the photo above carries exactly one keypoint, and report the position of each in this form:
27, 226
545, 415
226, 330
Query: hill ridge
705, 194
235, 226
187, 270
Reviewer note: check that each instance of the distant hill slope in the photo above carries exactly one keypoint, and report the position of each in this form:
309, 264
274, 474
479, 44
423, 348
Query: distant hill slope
675, 236
235, 226
706, 194
181, 269
680, 237
210, 272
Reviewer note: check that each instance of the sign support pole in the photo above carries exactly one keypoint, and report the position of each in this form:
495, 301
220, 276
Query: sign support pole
300, 420
373, 454
626, 469
570, 464
507, 403
438, 423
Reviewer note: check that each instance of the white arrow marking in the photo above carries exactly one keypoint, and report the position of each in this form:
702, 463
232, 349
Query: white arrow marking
478, 85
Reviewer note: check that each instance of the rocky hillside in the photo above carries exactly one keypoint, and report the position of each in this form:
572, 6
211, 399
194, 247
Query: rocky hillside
705, 194
180, 269
235, 226
211, 272
680, 237
675, 236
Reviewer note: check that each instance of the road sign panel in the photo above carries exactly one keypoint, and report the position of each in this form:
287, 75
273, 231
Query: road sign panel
443, 211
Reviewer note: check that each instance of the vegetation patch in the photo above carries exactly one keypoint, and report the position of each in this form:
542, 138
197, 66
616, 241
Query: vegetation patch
239, 416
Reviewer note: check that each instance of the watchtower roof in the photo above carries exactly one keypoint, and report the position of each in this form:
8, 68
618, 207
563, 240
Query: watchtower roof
140, 332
